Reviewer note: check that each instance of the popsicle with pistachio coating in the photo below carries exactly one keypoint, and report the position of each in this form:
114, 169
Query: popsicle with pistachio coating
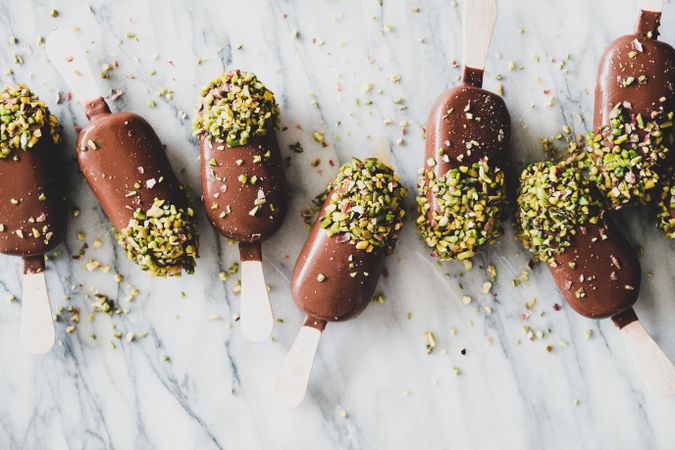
32, 207
337, 271
461, 190
126, 166
243, 182
598, 273
631, 147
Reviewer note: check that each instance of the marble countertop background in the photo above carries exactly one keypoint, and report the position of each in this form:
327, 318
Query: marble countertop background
190, 380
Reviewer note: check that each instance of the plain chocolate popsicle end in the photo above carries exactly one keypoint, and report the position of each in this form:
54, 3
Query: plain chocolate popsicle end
243, 182
244, 187
126, 166
32, 208
468, 131
34, 264
336, 273
467, 124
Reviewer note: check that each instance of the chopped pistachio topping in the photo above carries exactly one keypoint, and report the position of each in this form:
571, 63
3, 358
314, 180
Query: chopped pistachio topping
553, 201
665, 216
233, 108
365, 206
626, 156
161, 240
24, 119
467, 217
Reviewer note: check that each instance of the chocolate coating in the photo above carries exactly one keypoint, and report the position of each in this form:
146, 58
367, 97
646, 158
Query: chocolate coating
228, 202
339, 296
36, 172
656, 60
127, 152
606, 270
624, 318
451, 131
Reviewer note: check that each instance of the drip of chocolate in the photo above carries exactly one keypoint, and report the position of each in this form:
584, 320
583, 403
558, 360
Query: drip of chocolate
648, 24
472, 76
626, 317
467, 123
250, 251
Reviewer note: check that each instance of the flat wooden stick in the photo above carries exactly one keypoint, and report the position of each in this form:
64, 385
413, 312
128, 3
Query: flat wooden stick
66, 53
656, 370
479, 25
37, 325
651, 5
293, 377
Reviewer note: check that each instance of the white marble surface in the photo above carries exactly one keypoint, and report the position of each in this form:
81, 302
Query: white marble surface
215, 390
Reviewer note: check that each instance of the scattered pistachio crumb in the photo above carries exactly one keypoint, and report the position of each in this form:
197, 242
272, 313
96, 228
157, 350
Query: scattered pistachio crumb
429, 342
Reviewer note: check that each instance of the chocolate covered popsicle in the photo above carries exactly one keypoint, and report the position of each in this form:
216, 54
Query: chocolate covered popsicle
461, 187
336, 273
32, 210
596, 270
243, 182
562, 224
126, 166
632, 145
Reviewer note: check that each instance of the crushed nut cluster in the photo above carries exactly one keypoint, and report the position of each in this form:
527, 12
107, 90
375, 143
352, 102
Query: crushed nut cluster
665, 216
626, 156
365, 206
469, 202
553, 201
24, 118
162, 240
233, 108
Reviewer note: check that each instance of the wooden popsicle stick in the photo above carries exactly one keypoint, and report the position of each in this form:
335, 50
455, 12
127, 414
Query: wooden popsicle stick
257, 321
66, 53
651, 5
293, 377
37, 324
656, 370
256, 318
479, 25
